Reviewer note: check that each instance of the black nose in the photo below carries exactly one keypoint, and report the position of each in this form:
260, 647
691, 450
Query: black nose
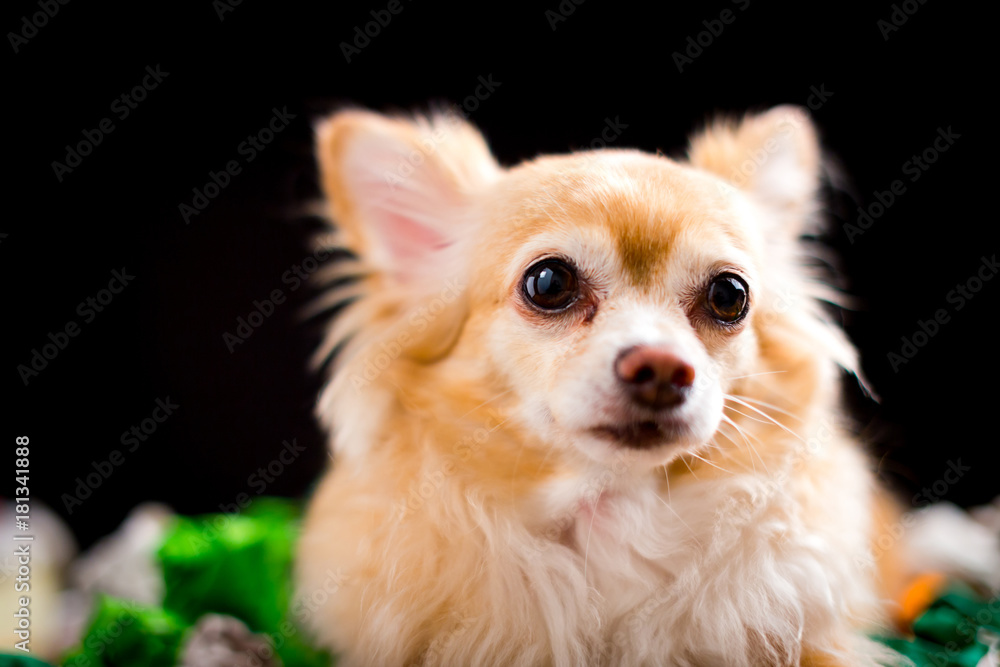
654, 377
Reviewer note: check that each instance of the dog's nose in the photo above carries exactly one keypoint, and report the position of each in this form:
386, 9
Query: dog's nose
654, 377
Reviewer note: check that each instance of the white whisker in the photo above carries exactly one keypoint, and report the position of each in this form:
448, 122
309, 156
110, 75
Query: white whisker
757, 401
753, 466
684, 461
756, 419
706, 461
745, 437
769, 417
753, 375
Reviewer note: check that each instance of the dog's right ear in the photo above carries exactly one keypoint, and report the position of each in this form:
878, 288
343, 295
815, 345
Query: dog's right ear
774, 157
400, 189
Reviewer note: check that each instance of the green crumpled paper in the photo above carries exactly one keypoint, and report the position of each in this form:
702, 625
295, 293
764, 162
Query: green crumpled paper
234, 564
125, 634
952, 632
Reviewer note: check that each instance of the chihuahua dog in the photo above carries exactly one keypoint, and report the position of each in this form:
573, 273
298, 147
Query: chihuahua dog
584, 410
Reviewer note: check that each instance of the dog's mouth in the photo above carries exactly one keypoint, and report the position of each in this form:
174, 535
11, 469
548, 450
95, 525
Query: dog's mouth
640, 434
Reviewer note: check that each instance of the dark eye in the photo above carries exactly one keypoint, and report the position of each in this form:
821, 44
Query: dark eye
551, 285
727, 298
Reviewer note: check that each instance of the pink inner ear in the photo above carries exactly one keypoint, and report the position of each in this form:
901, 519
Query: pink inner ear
409, 243
410, 218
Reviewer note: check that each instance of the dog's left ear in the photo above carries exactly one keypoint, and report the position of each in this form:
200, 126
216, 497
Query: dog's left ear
774, 157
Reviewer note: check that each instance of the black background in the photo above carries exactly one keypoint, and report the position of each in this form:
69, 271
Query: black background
162, 336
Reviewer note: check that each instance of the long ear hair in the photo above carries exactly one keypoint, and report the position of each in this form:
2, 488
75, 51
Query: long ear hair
399, 192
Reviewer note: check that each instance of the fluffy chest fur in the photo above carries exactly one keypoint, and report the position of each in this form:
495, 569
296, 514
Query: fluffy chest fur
599, 568
663, 571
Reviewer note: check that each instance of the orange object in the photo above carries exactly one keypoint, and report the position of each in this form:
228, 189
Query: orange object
918, 596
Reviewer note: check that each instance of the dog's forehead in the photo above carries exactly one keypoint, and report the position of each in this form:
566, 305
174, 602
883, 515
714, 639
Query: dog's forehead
643, 205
